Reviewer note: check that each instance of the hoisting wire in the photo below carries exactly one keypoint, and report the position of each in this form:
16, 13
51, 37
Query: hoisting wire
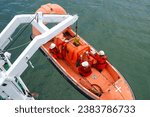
20, 32
76, 40
18, 46
76, 28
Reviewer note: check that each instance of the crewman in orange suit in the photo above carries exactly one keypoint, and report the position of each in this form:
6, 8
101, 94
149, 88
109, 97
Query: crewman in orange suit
54, 50
101, 60
86, 57
64, 50
85, 69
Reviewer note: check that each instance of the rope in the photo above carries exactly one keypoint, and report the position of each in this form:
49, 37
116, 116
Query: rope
19, 46
20, 32
92, 86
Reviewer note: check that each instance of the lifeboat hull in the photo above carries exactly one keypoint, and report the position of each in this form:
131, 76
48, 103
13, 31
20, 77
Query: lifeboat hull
107, 84
117, 89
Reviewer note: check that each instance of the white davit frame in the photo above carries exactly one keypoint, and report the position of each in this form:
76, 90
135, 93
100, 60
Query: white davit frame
12, 90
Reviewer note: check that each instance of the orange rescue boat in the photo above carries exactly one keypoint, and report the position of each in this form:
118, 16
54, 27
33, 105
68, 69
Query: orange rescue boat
78, 61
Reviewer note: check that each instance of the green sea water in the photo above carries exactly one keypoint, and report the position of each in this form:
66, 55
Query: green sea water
119, 27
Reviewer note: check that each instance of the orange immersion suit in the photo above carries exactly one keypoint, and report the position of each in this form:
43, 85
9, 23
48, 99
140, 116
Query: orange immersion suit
101, 61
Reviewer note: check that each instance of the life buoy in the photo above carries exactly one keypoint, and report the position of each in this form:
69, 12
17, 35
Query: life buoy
48, 9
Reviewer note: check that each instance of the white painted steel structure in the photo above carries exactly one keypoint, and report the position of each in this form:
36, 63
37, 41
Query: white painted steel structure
11, 85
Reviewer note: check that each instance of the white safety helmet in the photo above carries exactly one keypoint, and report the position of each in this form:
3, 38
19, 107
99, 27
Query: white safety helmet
66, 41
101, 52
85, 64
7, 54
52, 46
93, 52
86, 52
